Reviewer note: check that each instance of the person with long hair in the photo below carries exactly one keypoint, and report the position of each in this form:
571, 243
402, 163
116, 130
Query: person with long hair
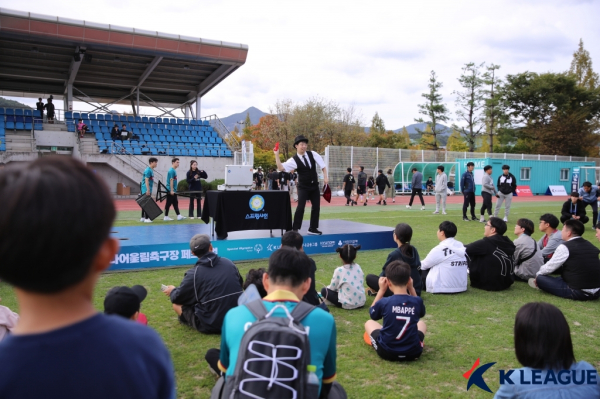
406, 253
193, 177
346, 288
543, 345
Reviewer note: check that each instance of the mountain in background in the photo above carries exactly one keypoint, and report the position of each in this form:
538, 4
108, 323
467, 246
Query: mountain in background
231, 120
4, 103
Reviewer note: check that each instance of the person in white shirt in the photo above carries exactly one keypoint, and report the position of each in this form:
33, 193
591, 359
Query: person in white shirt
305, 164
444, 270
579, 267
441, 187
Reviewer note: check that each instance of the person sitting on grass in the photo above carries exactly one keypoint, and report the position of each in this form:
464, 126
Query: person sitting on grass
552, 237
444, 269
528, 257
208, 290
8, 321
402, 334
406, 253
579, 267
491, 258
543, 345
286, 281
254, 276
573, 208
126, 302
346, 288
62, 347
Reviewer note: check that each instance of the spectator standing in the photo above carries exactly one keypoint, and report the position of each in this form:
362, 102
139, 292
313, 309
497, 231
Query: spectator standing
573, 208
294, 185
578, 263
507, 184
381, 182
40, 107
258, 179
208, 290
346, 287
491, 258
528, 257
441, 187
50, 110
347, 186
444, 269
146, 185
487, 192
172, 191
589, 196
416, 188
361, 184
391, 190
193, 177
552, 237
543, 345
467, 187
62, 347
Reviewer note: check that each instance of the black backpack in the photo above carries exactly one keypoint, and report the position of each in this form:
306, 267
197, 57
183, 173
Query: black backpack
282, 339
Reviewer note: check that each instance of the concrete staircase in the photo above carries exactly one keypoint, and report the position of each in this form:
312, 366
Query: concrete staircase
20, 141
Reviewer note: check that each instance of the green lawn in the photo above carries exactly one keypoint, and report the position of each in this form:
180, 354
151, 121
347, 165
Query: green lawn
461, 328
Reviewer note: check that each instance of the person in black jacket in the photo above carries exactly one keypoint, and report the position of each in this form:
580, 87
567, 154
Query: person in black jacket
490, 259
40, 107
406, 253
573, 208
193, 177
507, 184
577, 261
208, 290
294, 239
381, 183
115, 133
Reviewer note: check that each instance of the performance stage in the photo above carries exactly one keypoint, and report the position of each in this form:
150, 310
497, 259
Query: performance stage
152, 246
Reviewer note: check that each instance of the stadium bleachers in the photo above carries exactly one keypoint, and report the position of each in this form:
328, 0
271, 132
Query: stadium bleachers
155, 136
16, 120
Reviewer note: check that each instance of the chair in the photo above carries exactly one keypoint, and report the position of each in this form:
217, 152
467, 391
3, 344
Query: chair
214, 153
28, 126
38, 126
19, 112
177, 139
28, 112
144, 119
123, 118
173, 121
1, 111
85, 116
100, 117
92, 117
152, 119
137, 151
227, 153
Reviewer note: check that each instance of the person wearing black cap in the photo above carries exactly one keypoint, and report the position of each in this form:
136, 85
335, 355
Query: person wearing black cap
125, 301
305, 163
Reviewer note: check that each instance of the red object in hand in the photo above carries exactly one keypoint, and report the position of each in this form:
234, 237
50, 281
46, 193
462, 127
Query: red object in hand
276, 147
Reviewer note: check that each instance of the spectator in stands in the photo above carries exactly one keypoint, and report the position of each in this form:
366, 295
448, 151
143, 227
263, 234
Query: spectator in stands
391, 190
172, 191
294, 185
528, 257
441, 190
115, 133
401, 336
193, 177
81, 128
577, 260
208, 290
444, 269
381, 183
124, 133
146, 185
294, 239
286, 280
125, 302
491, 258
8, 321
543, 345
62, 347
487, 191
552, 237
50, 110
429, 186
589, 196
406, 253
416, 188
40, 107
258, 179
507, 184
573, 208
467, 187
346, 287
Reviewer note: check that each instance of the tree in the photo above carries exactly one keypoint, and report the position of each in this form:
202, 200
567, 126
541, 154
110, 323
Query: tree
247, 124
581, 68
435, 111
552, 114
470, 103
377, 125
492, 100
457, 143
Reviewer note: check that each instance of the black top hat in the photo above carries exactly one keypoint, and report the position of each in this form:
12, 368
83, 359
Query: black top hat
299, 139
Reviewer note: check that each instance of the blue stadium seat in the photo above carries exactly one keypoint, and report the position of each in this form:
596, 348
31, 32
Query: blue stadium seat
28, 112
159, 120
99, 136
162, 138
200, 152
106, 136
19, 126
1, 111
92, 117
135, 143
151, 131
177, 139
9, 111
227, 153
70, 127
100, 117
172, 121
19, 112
138, 118
130, 119
68, 114
154, 137
146, 137
152, 119
206, 123
28, 126
214, 153
137, 151
94, 123
85, 116
144, 119
193, 122
180, 121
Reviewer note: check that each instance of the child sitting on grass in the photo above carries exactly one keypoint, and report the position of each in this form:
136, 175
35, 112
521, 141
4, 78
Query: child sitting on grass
346, 288
402, 334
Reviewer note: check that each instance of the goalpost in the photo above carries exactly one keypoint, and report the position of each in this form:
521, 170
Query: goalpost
403, 174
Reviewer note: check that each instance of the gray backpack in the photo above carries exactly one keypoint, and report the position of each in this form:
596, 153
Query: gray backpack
273, 356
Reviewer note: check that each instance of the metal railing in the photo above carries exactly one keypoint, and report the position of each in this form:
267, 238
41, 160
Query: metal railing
121, 153
232, 141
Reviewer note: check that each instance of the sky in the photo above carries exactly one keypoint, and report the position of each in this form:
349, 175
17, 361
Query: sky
374, 55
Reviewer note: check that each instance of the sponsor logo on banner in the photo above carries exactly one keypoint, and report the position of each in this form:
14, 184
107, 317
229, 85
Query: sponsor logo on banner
557, 191
257, 204
575, 180
524, 191
258, 248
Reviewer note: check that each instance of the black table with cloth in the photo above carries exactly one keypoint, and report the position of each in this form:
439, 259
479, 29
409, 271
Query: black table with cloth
232, 211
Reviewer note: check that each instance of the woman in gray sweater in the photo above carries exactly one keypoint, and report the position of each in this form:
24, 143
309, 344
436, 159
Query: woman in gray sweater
487, 192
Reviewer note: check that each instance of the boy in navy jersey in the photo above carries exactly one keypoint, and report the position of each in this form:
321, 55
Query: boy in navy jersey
402, 334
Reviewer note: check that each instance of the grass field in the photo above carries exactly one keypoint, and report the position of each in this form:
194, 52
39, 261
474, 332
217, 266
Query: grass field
461, 328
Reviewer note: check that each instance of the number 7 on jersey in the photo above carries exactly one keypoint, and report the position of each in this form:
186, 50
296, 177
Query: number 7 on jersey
407, 320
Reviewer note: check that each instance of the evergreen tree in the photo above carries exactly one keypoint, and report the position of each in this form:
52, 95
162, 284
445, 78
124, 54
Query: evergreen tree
457, 143
247, 124
470, 103
492, 101
581, 68
377, 125
435, 111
